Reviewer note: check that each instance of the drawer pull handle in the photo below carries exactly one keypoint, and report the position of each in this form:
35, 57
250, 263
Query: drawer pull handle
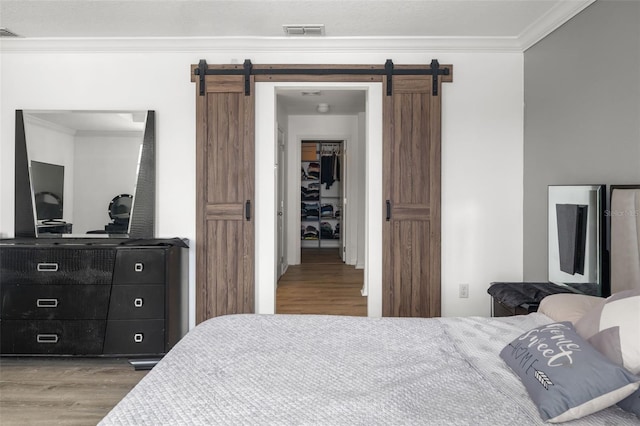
47, 338
47, 303
47, 267
138, 267
138, 337
138, 302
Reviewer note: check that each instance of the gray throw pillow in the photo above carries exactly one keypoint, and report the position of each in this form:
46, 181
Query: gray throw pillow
631, 403
565, 376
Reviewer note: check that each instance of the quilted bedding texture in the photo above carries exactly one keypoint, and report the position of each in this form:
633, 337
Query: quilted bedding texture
333, 370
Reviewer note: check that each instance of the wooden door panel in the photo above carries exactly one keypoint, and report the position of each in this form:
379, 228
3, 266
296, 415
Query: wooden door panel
225, 238
225, 173
224, 150
411, 178
411, 150
410, 249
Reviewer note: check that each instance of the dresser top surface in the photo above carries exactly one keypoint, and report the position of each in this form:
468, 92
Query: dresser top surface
94, 242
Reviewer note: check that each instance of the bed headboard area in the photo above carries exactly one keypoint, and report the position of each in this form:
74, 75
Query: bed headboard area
624, 214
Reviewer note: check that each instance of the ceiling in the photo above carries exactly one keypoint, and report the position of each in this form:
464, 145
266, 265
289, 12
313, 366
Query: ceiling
451, 25
467, 19
305, 101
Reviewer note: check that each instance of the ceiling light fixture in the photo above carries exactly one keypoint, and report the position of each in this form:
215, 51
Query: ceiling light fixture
323, 108
311, 93
303, 30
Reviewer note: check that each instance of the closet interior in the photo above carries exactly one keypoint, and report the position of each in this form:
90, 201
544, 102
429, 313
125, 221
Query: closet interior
321, 194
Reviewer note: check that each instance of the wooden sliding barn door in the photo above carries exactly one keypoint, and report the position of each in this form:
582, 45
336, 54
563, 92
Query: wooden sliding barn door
411, 178
225, 195
225, 182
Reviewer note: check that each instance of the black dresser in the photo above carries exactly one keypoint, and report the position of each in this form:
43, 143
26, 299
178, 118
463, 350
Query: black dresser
93, 298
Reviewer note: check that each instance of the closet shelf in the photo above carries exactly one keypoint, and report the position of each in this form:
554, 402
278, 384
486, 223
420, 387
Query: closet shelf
320, 195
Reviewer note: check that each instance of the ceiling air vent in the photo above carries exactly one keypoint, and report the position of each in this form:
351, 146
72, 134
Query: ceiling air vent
306, 30
6, 33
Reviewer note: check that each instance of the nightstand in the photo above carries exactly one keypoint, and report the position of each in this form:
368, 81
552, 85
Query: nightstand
520, 298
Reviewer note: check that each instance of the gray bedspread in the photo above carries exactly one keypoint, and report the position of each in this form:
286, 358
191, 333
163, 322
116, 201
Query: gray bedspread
333, 370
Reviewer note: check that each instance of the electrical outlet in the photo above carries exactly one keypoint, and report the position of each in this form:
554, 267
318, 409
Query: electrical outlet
464, 291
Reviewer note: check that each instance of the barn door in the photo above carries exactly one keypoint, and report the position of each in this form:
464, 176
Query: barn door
411, 196
225, 181
225, 195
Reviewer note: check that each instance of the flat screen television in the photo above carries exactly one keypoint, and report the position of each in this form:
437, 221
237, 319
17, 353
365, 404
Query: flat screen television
48, 189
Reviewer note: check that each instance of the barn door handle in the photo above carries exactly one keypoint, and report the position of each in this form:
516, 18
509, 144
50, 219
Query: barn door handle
247, 210
388, 210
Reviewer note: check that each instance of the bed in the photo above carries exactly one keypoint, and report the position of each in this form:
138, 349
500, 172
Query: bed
333, 370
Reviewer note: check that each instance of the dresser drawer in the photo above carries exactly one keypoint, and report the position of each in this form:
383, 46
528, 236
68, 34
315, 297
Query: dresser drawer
134, 337
54, 301
139, 266
45, 265
51, 337
137, 302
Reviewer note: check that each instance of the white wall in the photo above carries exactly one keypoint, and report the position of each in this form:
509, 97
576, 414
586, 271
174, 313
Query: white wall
482, 172
481, 141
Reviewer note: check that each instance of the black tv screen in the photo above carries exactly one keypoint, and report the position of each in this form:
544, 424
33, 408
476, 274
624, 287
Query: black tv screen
47, 181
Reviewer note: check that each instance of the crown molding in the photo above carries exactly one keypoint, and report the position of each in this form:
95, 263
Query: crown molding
552, 20
261, 44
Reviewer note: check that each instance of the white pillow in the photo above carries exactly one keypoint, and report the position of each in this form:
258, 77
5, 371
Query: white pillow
613, 325
567, 306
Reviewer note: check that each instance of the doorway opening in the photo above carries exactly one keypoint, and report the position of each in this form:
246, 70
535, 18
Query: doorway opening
322, 200
320, 126
345, 130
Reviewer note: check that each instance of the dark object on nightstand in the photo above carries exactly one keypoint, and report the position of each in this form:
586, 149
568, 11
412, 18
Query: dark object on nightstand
520, 298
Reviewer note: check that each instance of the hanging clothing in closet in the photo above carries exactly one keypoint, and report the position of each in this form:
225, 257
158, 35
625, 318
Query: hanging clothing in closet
330, 169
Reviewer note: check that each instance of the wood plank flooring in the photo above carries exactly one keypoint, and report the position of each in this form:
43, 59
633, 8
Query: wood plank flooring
62, 391
321, 284
81, 391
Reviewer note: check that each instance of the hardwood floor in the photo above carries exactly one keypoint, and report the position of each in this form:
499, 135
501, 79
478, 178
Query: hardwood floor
62, 391
321, 284
81, 391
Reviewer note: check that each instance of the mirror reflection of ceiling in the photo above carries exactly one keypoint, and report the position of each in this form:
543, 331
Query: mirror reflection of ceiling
83, 122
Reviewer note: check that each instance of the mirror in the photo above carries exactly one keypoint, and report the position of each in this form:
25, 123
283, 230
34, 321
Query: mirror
85, 173
576, 237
